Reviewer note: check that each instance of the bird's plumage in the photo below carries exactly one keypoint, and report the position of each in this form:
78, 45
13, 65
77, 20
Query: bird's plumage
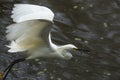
25, 35
24, 12
31, 33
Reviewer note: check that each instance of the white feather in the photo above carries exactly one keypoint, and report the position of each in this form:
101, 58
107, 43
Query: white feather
25, 35
23, 12
14, 47
16, 30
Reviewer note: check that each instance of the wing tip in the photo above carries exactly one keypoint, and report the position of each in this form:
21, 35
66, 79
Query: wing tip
14, 47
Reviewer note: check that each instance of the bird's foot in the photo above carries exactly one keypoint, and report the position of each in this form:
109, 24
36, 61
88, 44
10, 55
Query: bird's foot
1, 75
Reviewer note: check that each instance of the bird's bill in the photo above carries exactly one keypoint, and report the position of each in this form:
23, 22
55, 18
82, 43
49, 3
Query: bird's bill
75, 48
78, 49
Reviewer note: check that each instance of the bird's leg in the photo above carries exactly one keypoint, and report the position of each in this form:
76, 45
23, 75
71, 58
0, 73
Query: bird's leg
4, 74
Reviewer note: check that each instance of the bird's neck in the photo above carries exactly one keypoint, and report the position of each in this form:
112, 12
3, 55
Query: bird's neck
52, 45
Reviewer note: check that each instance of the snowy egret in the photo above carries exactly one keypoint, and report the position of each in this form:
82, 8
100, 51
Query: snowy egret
31, 33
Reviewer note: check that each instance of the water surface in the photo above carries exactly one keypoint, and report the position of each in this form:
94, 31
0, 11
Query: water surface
89, 24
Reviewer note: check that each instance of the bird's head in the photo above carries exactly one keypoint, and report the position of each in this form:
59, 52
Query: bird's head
64, 51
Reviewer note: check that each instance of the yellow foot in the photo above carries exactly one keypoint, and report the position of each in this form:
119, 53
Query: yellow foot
1, 75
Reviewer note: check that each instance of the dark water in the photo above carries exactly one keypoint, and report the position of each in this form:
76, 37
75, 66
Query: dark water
89, 24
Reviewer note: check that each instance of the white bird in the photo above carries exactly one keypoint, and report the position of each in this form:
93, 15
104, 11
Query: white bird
31, 33
27, 34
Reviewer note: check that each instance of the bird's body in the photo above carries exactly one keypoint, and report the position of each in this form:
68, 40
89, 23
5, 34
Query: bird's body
31, 33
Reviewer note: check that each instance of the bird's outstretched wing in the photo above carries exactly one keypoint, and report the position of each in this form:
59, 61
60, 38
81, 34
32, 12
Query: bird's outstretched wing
23, 12
30, 23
